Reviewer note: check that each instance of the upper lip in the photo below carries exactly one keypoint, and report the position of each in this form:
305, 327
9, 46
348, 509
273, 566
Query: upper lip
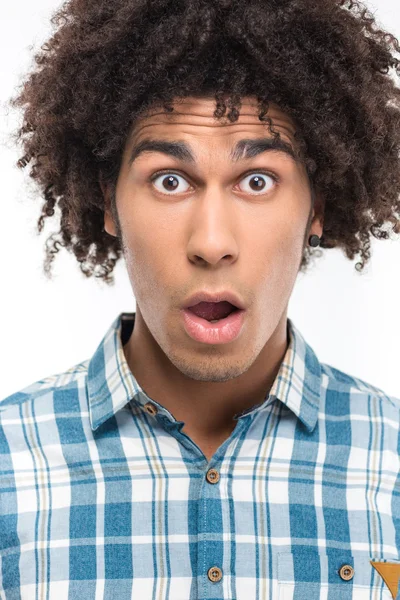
204, 296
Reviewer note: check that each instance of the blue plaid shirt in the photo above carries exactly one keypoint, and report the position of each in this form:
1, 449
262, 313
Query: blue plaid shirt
103, 497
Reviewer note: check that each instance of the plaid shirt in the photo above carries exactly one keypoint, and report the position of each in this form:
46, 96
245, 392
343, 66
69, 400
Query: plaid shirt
103, 497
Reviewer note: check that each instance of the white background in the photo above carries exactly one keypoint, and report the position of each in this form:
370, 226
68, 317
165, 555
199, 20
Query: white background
46, 326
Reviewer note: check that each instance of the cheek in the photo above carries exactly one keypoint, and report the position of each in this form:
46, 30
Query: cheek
280, 249
288, 255
290, 227
281, 235
148, 252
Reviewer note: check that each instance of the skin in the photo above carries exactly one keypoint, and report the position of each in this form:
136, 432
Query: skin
216, 231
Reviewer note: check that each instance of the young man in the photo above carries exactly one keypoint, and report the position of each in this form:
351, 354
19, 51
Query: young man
203, 451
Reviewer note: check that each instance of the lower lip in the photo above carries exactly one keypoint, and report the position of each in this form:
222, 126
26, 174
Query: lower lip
222, 332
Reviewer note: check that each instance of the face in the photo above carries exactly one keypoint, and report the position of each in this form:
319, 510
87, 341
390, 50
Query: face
211, 223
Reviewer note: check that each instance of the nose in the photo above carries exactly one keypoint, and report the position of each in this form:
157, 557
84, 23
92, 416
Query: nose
214, 227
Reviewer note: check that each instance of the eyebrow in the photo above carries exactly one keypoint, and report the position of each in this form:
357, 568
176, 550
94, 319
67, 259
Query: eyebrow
244, 149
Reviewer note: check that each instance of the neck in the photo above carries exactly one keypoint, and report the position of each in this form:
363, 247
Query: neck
206, 407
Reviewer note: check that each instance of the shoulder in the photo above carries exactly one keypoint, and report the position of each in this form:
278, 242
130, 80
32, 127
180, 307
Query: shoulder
338, 381
43, 390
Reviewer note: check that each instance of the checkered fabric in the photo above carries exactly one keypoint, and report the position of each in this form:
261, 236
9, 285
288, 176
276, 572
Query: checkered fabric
102, 496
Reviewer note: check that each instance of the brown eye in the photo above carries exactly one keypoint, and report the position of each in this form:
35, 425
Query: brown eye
258, 182
168, 182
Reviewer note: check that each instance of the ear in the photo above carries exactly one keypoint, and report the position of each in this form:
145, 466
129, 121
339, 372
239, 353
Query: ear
317, 223
109, 225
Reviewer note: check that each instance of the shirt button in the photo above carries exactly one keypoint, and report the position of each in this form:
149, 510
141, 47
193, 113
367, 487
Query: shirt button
151, 408
346, 572
214, 574
212, 476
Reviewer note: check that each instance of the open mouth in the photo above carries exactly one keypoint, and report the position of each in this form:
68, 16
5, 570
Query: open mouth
211, 328
213, 312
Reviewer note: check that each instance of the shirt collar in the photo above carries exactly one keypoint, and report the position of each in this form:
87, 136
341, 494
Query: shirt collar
111, 384
298, 383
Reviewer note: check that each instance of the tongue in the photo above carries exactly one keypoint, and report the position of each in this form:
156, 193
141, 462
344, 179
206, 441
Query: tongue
212, 310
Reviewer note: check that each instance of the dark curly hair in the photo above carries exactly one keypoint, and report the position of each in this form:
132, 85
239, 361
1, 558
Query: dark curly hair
326, 63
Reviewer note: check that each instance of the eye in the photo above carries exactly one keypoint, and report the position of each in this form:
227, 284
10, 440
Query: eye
258, 182
169, 182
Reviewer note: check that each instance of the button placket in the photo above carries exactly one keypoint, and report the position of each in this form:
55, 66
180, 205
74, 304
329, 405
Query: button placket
210, 525
210, 521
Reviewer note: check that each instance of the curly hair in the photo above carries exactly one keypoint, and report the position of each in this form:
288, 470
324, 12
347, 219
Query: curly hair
326, 63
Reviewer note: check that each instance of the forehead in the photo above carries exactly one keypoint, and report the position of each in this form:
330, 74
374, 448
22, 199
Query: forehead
193, 116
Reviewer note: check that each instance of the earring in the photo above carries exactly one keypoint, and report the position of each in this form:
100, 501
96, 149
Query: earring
314, 241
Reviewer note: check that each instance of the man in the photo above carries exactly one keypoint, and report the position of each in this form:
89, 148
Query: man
204, 451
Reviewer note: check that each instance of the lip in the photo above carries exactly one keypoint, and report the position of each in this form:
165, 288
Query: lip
222, 332
205, 296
